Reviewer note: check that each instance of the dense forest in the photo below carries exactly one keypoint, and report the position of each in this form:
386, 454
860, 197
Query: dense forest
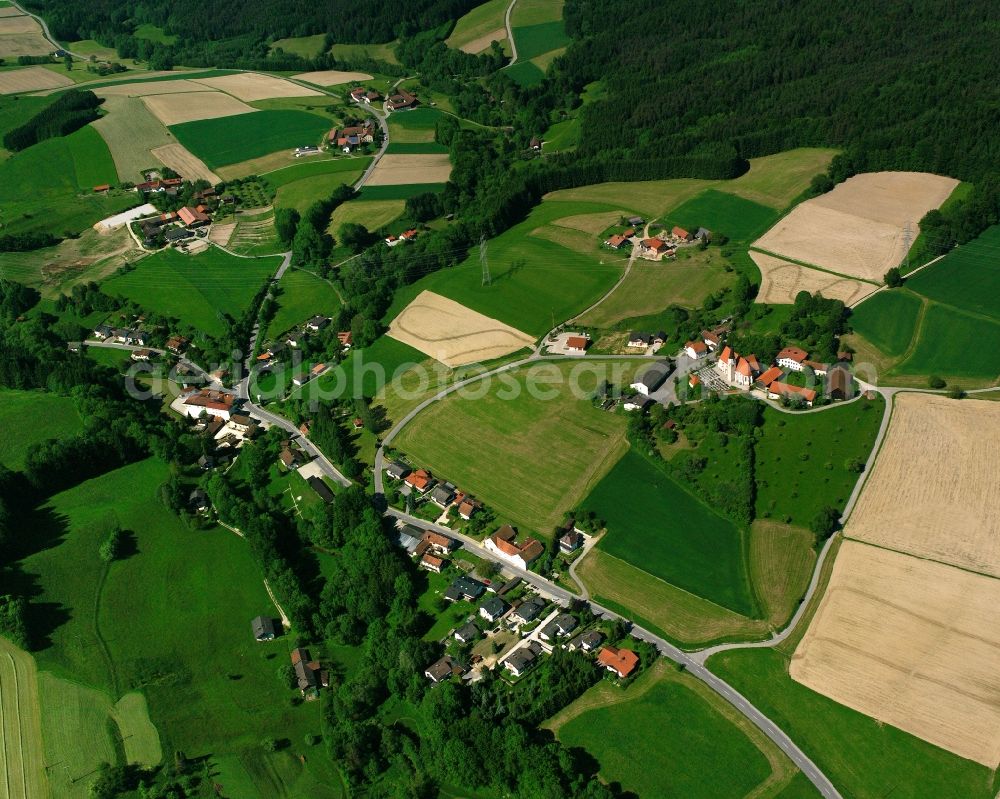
250, 20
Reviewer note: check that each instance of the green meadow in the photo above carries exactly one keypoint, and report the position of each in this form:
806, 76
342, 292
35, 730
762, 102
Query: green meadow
541, 272
413, 126
20, 415
669, 533
230, 140
723, 214
196, 289
864, 758
62, 173
302, 295
944, 320
170, 622
311, 169
888, 320
401, 192
802, 460
580, 443
685, 741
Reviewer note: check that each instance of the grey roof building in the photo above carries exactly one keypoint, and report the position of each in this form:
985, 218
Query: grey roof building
467, 633
529, 610
263, 628
493, 608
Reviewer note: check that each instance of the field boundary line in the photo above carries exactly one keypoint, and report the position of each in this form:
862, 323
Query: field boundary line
814, 267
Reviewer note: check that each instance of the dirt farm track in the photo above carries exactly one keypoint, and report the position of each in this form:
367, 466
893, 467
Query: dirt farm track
22, 759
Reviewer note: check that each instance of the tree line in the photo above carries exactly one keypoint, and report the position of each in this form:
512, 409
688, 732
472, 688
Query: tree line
74, 109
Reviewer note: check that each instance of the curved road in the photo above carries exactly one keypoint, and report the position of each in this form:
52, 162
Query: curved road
47, 33
510, 34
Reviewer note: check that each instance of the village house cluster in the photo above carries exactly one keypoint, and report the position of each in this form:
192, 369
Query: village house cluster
655, 248
792, 378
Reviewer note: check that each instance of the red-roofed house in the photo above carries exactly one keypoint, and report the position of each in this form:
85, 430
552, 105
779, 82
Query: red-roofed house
346, 338
792, 358
209, 401
402, 101
696, 349
577, 343
102, 188
653, 246
432, 563
779, 390
192, 217
681, 233
419, 480
504, 543
620, 661
616, 242
737, 370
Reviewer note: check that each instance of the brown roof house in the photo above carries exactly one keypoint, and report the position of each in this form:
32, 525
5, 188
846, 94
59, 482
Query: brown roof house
309, 676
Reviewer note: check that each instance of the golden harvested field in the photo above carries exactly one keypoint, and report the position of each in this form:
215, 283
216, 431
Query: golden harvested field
912, 643
934, 491
31, 79
857, 229
173, 109
10, 11
150, 88
454, 334
483, 42
184, 162
782, 280
22, 757
15, 44
399, 170
373, 214
590, 223
332, 77
18, 23
253, 86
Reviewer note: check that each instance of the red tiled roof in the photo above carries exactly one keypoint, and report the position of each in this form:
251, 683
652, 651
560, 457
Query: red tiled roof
743, 367
694, 380
727, 353
786, 389
206, 398
576, 342
769, 376
622, 661
680, 232
793, 354
418, 479
697, 346
432, 560
191, 215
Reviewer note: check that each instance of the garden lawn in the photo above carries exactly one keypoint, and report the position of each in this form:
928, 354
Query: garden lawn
662, 736
864, 758
536, 282
888, 320
303, 295
117, 628
657, 526
723, 214
30, 417
196, 289
229, 140
60, 173
802, 460
490, 446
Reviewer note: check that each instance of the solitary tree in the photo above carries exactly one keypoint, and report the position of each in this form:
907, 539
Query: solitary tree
893, 278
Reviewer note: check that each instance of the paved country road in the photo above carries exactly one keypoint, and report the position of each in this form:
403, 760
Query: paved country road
510, 33
47, 33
